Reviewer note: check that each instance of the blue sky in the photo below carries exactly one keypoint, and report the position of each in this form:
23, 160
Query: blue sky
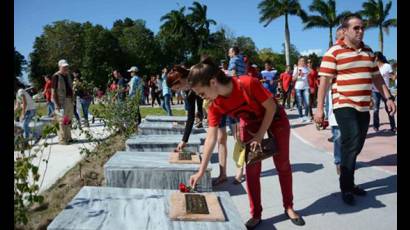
240, 16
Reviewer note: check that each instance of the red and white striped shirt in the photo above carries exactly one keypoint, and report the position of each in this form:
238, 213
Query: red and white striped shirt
354, 71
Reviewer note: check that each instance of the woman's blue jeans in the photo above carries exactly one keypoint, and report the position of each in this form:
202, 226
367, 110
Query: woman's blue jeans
50, 107
166, 104
85, 104
303, 94
28, 116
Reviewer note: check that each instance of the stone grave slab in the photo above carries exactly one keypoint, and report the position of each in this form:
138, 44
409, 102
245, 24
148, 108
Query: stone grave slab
160, 143
107, 208
148, 128
151, 170
153, 118
178, 137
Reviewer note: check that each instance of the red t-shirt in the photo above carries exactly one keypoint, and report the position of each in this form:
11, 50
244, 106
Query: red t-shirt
312, 78
236, 105
252, 72
47, 89
286, 79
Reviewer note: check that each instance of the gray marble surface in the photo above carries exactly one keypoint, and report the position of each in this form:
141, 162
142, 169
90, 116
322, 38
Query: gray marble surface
151, 170
147, 128
153, 118
160, 143
106, 208
178, 137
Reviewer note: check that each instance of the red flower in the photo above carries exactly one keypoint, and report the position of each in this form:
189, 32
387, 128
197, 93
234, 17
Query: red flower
66, 120
184, 188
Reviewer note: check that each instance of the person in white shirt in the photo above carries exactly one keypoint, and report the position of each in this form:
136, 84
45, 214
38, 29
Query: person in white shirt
387, 73
300, 75
28, 111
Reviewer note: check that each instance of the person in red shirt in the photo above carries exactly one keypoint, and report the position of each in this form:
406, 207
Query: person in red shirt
286, 85
47, 95
247, 100
312, 79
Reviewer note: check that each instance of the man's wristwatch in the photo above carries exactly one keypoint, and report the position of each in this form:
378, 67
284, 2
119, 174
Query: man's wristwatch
391, 98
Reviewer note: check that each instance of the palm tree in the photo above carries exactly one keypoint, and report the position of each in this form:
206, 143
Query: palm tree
327, 18
200, 23
375, 14
273, 9
176, 22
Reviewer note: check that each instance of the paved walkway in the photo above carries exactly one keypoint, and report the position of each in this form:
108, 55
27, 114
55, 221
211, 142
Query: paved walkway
316, 188
62, 158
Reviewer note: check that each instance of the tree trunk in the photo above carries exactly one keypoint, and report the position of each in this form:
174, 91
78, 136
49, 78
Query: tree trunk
381, 38
330, 37
287, 41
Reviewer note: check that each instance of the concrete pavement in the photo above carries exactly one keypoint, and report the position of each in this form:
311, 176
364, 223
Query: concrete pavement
316, 186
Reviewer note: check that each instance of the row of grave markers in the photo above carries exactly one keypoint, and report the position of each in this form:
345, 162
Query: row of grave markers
142, 185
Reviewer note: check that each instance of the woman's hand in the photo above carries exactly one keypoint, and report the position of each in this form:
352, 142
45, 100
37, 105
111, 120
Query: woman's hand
255, 142
181, 145
193, 180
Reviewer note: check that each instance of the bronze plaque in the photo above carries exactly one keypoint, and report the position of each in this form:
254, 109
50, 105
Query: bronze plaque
185, 155
196, 204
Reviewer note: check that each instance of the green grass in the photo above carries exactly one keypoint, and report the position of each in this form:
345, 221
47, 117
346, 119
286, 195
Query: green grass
154, 111
42, 110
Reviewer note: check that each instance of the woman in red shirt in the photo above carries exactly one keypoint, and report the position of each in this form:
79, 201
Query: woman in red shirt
257, 111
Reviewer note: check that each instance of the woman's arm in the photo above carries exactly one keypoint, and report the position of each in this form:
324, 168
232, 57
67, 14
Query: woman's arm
270, 109
209, 146
190, 120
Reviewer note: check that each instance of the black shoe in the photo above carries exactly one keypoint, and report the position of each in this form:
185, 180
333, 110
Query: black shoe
330, 139
348, 198
251, 223
296, 221
359, 191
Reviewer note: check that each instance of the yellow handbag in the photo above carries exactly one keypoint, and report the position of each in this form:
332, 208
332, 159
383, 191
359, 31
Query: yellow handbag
239, 154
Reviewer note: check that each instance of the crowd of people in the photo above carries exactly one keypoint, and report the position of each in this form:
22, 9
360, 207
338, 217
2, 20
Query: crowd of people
350, 80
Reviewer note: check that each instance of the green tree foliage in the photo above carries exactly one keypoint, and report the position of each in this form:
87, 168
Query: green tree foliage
19, 65
248, 48
375, 15
137, 45
277, 59
327, 18
61, 40
273, 9
100, 53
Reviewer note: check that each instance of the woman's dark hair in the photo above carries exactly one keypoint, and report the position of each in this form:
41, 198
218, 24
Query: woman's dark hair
48, 76
380, 57
204, 71
175, 74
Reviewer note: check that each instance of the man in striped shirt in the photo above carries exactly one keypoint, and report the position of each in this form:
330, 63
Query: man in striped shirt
353, 66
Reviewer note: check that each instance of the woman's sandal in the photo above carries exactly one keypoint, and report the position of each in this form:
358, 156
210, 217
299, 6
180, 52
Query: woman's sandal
219, 181
236, 181
252, 223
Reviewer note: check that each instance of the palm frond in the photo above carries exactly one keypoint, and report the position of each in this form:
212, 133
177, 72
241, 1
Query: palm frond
316, 21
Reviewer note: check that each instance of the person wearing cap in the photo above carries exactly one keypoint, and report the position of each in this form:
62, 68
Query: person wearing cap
135, 87
135, 82
62, 94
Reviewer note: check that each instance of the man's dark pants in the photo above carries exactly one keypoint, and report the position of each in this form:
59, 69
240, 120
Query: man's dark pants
353, 128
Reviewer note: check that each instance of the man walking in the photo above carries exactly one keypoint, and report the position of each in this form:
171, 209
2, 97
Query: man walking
236, 65
353, 66
62, 93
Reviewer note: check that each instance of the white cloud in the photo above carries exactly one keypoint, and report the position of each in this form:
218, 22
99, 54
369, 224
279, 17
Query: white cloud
310, 51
